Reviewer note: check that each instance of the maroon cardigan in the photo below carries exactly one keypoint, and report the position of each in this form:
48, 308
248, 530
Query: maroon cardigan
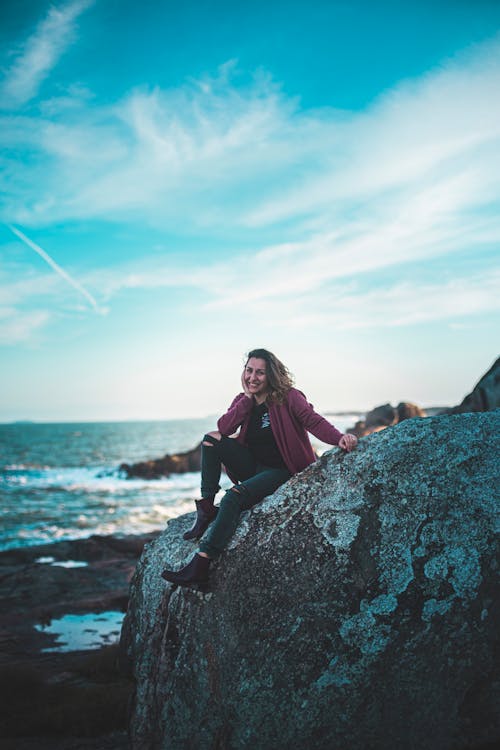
290, 423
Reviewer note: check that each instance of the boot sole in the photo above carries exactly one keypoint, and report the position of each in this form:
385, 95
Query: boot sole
201, 586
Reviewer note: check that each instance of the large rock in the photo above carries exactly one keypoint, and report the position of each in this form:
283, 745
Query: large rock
355, 608
485, 395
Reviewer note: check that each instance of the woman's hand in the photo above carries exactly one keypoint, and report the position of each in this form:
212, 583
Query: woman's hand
244, 386
348, 442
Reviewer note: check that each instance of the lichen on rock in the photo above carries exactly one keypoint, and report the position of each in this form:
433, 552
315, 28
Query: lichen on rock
357, 607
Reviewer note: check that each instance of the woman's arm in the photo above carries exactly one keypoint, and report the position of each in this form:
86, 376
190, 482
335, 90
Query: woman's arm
235, 415
316, 424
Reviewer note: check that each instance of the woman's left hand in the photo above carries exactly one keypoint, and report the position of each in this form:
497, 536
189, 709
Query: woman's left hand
348, 442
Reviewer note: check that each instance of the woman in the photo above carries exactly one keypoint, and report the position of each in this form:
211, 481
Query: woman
272, 444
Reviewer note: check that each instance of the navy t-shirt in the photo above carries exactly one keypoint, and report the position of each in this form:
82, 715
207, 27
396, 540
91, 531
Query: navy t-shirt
260, 438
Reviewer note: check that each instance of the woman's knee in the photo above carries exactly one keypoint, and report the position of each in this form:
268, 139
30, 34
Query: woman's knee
233, 497
212, 438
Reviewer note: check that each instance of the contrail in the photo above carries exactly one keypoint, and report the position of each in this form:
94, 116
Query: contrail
56, 267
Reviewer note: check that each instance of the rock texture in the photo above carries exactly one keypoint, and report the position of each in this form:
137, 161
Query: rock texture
355, 608
485, 396
386, 416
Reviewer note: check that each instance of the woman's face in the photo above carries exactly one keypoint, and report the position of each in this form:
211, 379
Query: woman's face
255, 376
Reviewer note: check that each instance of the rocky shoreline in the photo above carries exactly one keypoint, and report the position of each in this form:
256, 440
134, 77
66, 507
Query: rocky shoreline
79, 700
64, 700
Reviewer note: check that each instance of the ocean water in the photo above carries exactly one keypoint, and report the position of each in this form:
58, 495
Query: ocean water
62, 481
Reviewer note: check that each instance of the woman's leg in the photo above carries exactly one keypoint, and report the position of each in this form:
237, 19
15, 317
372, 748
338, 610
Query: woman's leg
215, 450
211, 465
240, 497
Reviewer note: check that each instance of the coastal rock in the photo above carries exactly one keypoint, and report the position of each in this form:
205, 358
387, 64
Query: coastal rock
386, 416
176, 463
355, 608
382, 416
407, 410
485, 396
49, 698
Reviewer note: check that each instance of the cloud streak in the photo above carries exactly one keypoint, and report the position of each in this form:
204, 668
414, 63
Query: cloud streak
41, 53
57, 268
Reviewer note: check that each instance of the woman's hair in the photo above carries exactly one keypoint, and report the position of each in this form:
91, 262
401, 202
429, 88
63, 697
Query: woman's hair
279, 378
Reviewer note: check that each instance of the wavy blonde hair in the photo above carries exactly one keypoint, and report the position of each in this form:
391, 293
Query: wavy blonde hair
278, 376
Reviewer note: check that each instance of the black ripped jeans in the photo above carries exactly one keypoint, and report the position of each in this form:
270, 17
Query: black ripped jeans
255, 482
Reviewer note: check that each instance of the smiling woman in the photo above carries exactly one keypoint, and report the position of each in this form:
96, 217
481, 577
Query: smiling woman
265, 377
272, 419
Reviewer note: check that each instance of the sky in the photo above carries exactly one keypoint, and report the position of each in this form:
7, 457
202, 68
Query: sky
183, 182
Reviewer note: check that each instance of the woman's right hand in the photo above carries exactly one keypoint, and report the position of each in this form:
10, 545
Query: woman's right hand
244, 386
348, 442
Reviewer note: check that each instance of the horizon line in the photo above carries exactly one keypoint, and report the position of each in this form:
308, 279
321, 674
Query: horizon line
125, 420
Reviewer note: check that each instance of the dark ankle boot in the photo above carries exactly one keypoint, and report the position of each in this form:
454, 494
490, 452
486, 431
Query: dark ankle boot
195, 572
205, 514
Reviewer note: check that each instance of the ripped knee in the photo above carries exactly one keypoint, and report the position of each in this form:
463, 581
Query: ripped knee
234, 495
241, 491
212, 438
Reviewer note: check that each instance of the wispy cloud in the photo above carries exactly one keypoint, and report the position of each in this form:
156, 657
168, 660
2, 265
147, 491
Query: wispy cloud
57, 268
20, 326
301, 300
402, 303
26, 300
342, 195
220, 154
420, 132
41, 53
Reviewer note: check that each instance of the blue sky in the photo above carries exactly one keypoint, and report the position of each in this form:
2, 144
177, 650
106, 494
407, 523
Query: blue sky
182, 182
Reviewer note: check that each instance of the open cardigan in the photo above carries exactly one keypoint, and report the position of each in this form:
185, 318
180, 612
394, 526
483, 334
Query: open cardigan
290, 423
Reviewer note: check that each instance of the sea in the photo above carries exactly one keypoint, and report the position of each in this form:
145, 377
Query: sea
63, 481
